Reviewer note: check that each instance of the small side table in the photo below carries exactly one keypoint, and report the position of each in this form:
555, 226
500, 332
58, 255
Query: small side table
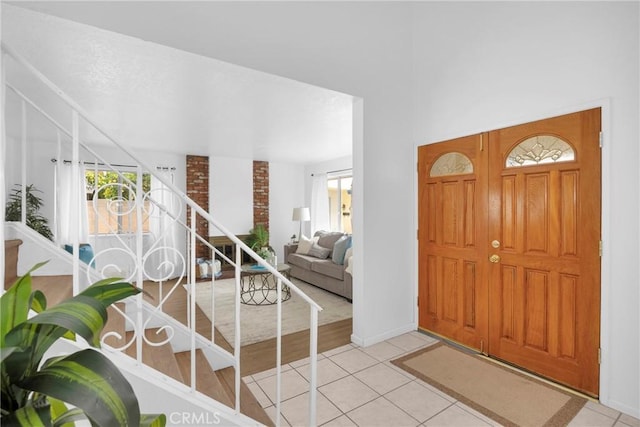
259, 287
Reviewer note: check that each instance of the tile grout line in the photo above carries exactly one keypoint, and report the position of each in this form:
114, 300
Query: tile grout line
402, 410
439, 412
350, 374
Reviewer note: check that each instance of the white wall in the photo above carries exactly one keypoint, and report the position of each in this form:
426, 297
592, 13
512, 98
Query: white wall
286, 191
231, 193
231, 197
482, 66
363, 49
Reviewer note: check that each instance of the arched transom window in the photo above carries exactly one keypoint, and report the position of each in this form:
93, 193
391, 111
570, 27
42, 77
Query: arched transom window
453, 163
538, 150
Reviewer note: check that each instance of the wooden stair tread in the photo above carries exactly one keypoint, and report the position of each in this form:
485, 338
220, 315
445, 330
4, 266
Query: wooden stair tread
11, 248
207, 381
160, 358
249, 405
55, 288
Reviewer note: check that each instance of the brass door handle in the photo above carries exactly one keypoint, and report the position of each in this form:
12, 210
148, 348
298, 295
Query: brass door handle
494, 258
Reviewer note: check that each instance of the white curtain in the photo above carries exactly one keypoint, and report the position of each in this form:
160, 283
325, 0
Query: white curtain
164, 262
66, 201
319, 203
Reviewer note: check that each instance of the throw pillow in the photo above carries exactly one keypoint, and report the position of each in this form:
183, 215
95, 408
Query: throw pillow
304, 245
327, 240
340, 248
318, 251
347, 260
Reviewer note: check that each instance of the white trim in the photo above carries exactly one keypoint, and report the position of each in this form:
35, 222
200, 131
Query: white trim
357, 223
366, 342
605, 261
357, 340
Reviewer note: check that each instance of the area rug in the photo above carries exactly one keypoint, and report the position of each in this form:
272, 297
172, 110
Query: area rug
504, 395
258, 323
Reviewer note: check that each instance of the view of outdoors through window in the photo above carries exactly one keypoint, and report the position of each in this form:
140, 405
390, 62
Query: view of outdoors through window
112, 209
340, 202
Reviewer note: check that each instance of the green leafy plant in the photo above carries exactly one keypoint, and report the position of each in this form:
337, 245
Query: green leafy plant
38, 394
258, 241
13, 210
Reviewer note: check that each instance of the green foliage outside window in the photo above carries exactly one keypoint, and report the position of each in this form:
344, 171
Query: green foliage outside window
108, 184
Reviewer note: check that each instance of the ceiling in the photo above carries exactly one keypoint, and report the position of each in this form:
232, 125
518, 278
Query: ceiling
151, 96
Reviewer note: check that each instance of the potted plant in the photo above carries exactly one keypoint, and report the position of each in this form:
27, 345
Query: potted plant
13, 210
258, 241
35, 393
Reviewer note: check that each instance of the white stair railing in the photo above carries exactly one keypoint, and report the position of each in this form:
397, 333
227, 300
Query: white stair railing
130, 253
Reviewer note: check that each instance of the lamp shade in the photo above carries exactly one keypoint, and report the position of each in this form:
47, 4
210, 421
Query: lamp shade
301, 214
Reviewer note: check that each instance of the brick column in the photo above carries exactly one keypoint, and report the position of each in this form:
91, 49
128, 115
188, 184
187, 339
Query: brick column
198, 191
261, 193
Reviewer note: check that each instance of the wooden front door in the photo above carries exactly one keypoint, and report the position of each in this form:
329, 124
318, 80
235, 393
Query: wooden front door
452, 234
535, 244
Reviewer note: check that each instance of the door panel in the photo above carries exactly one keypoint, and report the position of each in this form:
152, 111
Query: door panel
509, 245
453, 294
547, 282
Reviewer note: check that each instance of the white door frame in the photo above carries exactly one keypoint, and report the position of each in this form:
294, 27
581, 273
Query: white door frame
605, 260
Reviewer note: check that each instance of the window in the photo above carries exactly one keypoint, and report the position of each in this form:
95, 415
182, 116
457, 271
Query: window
540, 149
340, 202
451, 164
111, 202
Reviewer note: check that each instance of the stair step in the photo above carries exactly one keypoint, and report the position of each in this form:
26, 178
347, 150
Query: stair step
160, 358
207, 381
55, 288
249, 405
11, 248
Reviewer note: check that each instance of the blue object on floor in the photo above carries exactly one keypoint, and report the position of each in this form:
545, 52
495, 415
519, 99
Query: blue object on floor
86, 253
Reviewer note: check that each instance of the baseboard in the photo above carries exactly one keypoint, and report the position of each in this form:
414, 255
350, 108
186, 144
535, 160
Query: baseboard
366, 342
357, 340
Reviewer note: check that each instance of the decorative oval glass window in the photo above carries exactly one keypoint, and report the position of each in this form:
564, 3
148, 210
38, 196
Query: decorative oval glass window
540, 149
453, 163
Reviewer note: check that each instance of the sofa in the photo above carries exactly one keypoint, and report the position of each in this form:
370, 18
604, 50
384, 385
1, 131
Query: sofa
323, 261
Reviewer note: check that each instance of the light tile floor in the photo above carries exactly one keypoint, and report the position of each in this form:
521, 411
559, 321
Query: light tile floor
360, 387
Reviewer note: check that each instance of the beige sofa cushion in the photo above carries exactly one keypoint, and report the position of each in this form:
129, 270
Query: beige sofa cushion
328, 268
302, 261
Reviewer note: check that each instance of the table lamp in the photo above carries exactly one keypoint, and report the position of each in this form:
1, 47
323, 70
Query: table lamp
301, 215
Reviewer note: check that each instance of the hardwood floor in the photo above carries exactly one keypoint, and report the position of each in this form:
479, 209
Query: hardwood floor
262, 355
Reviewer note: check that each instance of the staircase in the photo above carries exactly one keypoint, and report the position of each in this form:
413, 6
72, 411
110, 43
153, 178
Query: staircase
162, 341
218, 385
